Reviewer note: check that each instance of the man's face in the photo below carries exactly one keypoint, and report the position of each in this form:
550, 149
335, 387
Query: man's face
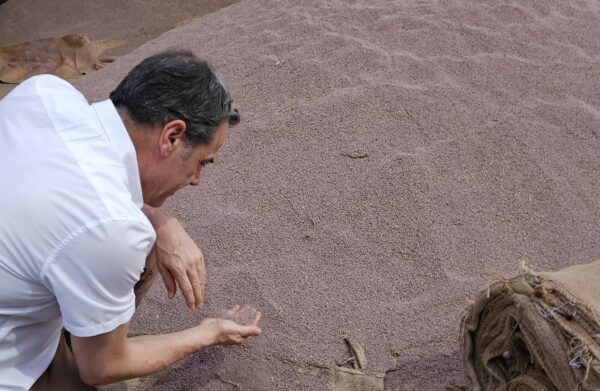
182, 167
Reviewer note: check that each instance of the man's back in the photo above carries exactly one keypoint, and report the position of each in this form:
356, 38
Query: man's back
73, 240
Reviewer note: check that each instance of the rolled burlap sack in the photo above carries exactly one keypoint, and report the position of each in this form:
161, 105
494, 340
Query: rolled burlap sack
536, 331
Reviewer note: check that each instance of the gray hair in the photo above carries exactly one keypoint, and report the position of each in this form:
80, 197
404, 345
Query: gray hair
177, 85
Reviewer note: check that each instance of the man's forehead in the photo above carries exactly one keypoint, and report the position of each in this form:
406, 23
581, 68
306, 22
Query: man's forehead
220, 135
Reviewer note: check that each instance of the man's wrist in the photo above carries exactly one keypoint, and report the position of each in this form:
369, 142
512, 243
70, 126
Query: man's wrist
201, 338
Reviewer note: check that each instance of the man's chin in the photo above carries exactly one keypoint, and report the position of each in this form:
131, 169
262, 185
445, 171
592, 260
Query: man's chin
155, 203
159, 199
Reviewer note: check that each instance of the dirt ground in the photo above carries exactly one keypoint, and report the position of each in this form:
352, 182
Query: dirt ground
390, 154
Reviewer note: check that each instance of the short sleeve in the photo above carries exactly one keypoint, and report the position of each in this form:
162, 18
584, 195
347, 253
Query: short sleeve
93, 275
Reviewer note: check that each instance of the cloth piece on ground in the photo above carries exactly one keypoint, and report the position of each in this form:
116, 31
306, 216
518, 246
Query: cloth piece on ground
68, 57
536, 331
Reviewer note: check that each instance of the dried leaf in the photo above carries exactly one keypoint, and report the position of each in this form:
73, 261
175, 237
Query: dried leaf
360, 358
68, 57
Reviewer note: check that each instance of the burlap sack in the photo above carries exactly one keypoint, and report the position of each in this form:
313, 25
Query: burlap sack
536, 331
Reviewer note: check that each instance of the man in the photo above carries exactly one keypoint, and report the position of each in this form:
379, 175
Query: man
81, 185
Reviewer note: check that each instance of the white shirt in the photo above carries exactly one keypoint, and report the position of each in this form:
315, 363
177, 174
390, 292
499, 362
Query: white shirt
73, 238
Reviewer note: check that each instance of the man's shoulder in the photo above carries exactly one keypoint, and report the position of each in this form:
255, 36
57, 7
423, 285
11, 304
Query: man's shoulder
43, 85
43, 93
48, 82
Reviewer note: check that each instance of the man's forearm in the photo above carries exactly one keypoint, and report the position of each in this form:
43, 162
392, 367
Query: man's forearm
140, 356
156, 216
148, 354
112, 357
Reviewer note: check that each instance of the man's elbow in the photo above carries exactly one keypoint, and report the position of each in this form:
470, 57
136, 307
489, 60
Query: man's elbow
94, 377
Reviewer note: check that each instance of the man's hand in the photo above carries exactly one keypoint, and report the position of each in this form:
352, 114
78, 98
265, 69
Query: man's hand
237, 324
178, 259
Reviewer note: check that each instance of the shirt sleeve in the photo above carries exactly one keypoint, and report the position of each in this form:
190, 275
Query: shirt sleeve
93, 275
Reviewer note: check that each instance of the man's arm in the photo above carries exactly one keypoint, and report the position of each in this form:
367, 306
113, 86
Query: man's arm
112, 357
179, 260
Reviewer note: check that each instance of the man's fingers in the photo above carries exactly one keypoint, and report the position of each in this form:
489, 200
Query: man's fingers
231, 311
250, 331
186, 287
196, 288
255, 321
169, 281
184, 284
243, 315
202, 278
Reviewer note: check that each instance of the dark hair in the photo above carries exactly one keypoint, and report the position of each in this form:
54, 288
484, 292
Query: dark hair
177, 85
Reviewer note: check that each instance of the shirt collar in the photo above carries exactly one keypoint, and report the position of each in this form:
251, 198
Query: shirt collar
117, 133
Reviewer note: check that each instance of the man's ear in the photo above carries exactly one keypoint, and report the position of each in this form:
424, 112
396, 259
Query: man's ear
172, 137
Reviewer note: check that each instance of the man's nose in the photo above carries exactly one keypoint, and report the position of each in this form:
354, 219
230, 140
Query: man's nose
196, 179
